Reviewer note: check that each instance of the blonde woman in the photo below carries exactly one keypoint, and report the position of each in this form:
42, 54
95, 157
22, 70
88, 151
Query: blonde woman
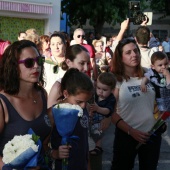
102, 57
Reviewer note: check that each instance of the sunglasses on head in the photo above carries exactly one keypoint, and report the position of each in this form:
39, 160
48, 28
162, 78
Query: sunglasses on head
29, 62
83, 36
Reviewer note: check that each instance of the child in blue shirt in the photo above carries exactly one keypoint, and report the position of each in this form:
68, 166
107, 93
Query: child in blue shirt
103, 106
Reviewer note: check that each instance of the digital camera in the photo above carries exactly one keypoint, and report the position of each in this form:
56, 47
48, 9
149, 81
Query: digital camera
135, 14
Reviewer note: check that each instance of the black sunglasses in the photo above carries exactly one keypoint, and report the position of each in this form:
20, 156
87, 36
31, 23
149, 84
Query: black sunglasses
29, 62
83, 36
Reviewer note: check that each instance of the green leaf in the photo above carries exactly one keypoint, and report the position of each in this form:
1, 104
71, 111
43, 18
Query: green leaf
35, 138
58, 106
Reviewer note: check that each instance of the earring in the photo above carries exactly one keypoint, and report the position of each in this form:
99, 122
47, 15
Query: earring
64, 98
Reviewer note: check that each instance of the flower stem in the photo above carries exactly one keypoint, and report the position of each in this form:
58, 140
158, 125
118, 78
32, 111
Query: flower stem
65, 164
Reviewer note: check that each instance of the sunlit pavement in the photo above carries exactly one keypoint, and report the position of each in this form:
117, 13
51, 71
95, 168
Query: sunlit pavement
164, 161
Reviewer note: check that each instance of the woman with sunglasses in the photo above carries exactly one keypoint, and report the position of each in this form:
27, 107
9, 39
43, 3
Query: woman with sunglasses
76, 56
23, 100
53, 70
134, 114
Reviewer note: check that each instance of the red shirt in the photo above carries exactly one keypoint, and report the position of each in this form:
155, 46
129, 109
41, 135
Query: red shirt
92, 55
3, 45
90, 49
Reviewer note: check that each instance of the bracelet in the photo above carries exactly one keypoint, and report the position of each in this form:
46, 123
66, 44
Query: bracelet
129, 130
118, 121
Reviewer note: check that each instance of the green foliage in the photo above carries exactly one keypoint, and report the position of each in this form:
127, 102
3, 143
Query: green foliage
158, 5
98, 12
101, 11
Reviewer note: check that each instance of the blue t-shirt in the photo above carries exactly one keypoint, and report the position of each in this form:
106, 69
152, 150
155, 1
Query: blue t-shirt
108, 103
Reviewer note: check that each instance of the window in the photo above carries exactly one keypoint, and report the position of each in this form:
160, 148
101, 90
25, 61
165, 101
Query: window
160, 34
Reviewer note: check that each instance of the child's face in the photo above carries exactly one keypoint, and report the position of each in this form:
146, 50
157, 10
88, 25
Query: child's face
160, 65
79, 99
102, 90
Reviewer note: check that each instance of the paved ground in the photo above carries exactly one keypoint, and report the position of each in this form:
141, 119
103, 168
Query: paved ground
164, 161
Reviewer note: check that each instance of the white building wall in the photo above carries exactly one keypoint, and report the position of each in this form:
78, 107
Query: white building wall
52, 21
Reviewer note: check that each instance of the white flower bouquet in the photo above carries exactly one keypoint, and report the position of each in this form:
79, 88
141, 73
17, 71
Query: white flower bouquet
22, 151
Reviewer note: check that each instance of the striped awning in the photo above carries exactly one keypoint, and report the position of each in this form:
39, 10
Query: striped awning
25, 7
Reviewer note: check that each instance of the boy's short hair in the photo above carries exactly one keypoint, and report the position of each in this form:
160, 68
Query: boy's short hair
142, 35
108, 79
158, 55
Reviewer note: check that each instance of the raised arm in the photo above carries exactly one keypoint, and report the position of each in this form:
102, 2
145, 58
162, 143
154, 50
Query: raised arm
123, 28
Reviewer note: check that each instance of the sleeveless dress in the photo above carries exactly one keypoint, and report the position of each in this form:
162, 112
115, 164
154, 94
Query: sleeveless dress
18, 126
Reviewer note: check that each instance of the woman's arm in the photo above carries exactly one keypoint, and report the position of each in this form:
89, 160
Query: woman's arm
139, 136
2, 123
123, 28
2, 116
1, 163
54, 94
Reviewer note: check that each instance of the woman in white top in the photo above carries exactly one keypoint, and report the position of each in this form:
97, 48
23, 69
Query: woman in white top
134, 114
52, 65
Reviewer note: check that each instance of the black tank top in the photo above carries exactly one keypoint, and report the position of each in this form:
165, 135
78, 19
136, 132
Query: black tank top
18, 126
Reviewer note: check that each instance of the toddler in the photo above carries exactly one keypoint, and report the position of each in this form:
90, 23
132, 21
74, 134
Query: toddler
103, 106
159, 76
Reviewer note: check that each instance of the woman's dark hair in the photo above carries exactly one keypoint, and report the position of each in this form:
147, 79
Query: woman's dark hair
60, 35
9, 69
76, 82
71, 53
117, 66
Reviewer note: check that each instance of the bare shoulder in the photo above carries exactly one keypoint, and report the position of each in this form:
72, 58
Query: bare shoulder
54, 94
3, 114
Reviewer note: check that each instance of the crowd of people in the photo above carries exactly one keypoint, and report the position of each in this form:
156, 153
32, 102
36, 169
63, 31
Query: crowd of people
119, 79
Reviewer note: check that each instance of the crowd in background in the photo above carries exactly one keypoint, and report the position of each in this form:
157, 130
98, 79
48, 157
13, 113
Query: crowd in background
115, 64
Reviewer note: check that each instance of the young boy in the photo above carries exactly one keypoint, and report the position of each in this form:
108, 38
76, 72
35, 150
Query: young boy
102, 107
159, 76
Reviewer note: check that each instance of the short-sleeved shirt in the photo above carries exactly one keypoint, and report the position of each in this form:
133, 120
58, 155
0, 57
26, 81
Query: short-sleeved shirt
108, 103
146, 54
